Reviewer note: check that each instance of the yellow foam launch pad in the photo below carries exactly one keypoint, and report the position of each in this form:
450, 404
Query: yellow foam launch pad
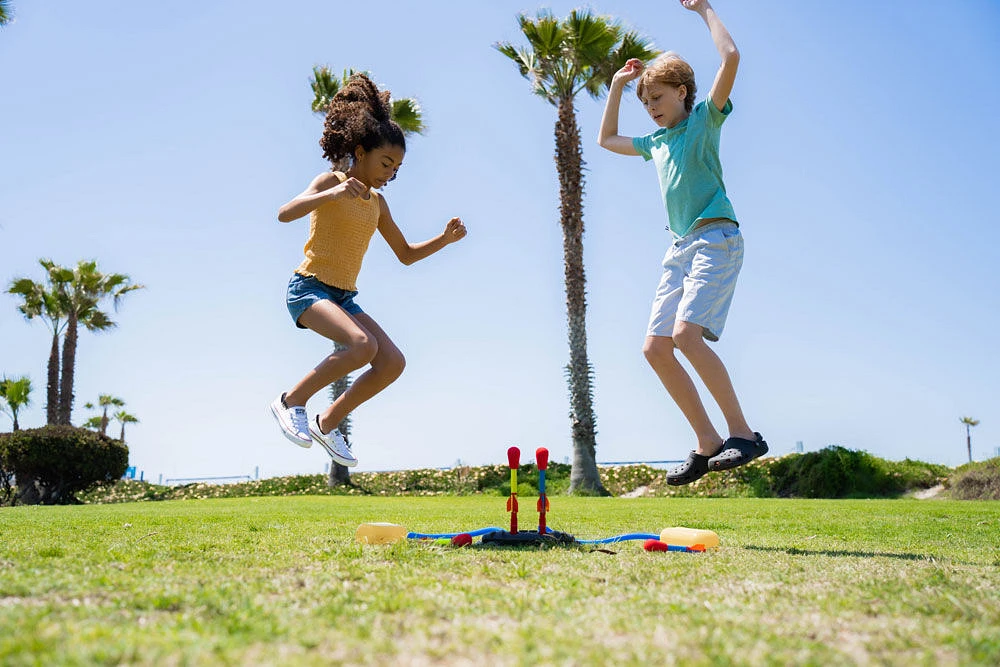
688, 537
380, 533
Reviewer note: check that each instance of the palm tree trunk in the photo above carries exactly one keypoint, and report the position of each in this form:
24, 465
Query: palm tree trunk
52, 397
968, 441
122, 436
68, 368
569, 163
340, 475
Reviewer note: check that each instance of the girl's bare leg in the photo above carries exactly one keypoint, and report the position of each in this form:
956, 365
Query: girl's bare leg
331, 321
386, 366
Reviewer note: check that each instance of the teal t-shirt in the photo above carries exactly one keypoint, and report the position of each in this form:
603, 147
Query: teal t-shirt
687, 160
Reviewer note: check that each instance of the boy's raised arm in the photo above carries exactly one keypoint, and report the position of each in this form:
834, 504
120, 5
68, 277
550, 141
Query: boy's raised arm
608, 136
726, 76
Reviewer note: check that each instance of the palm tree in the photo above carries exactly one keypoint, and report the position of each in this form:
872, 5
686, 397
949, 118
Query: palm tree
16, 394
81, 297
104, 401
44, 303
123, 418
93, 423
408, 115
405, 110
969, 423
6, 15
562, 59
339, 474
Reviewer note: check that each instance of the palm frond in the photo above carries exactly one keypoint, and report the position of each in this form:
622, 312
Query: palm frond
97, 320
324, 87
544, 33
123, 417
6, 15
408, 114
579, 53
591, 38
523, 58
16, 392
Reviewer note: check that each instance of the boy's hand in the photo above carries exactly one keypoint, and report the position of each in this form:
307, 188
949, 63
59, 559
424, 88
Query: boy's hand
631, 71
454, 230
695, 5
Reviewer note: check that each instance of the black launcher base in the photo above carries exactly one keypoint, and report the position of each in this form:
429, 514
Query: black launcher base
526, 538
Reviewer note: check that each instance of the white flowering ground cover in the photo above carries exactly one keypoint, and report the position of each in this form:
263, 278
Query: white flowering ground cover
280, 580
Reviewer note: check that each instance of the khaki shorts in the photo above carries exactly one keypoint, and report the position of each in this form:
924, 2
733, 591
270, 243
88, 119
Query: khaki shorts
699, 279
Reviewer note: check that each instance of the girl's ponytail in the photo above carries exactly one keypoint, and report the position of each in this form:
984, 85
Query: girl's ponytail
359, 115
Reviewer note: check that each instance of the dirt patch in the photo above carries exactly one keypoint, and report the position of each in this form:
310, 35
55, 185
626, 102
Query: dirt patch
932, 492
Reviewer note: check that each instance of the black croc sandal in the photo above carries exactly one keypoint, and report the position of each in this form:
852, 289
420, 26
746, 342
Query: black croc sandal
693, 468
737, 452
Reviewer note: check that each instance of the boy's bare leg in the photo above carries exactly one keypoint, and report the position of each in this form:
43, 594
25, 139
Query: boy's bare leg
659, 352
689, 340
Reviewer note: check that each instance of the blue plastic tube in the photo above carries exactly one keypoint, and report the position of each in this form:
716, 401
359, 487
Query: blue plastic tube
471, 533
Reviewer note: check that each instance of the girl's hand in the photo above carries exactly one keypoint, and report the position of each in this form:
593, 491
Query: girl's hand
349, 189
695, 5
631, 71
454, 231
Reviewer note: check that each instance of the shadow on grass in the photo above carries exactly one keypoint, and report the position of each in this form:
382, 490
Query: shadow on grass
795, 551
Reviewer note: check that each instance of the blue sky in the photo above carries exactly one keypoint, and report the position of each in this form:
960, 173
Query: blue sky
161, 141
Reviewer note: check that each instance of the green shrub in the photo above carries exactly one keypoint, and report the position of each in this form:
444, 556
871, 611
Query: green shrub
976, 481
53, 463
834, 473
837, 472
7, 487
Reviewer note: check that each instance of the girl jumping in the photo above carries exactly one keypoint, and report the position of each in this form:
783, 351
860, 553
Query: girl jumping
344, 211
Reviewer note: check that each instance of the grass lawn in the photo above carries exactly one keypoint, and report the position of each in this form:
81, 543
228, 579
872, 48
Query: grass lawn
281, 581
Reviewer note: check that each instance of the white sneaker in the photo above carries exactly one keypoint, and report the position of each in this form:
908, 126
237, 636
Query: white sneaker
294, 422
334, 443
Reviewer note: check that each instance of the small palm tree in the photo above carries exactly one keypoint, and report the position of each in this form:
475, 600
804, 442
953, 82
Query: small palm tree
16, 393
6, 14
409, 116
81, 291
564, 58
104, 401
43, 302
123, 418
969, 423
93, 423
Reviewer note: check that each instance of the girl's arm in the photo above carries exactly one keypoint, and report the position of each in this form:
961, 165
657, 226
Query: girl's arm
726, 76
323, 188
608, 136
408, 253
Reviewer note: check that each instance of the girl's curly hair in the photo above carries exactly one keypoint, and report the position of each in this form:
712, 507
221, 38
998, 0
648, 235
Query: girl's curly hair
359, 115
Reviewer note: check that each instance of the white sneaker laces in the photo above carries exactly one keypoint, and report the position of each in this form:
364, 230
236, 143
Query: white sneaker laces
300, 420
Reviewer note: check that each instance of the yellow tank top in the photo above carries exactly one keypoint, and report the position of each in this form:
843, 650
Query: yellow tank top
339, 233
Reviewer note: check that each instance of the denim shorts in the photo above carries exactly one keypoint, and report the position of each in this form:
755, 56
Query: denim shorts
304, 291
699, 279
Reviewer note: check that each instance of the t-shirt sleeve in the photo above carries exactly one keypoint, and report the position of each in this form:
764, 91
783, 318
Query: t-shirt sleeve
643, 146
715, 116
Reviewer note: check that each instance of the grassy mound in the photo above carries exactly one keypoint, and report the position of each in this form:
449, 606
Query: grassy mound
976, 481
